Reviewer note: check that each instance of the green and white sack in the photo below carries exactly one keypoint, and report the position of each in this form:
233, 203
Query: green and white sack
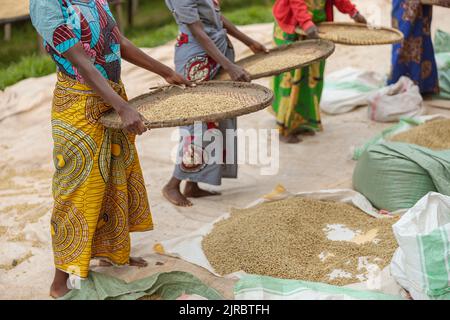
348, 89
255, 287
442, 49
421, 264
443, 65
394, 175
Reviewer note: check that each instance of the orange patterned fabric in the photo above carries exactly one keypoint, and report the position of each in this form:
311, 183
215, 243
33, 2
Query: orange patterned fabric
98, 187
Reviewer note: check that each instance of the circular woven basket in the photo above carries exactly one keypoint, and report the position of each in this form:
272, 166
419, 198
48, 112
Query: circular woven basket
284, 58
356, 33
441, 3
245, 98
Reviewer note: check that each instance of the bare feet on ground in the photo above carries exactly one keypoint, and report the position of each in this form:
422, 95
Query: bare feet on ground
306, 132
291, 138
59, 287
173, 195
192, 190
134, 262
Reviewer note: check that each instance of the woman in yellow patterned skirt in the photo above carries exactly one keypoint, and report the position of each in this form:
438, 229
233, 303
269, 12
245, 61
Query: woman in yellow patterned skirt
98, 187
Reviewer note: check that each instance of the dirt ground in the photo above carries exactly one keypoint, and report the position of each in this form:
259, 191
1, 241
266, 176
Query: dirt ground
320, 162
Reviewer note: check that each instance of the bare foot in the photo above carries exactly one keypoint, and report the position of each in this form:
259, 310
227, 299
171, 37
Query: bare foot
291, 138
134, 262
427, 96
138, 262
59, 287
192, 190
175, 197
307, 132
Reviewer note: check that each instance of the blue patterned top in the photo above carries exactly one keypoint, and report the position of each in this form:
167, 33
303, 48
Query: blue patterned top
64, 23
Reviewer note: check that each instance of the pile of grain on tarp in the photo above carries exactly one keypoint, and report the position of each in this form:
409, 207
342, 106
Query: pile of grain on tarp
288, 239
434, 135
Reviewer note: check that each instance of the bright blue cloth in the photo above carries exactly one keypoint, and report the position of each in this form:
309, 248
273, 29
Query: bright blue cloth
414, 57
64, 23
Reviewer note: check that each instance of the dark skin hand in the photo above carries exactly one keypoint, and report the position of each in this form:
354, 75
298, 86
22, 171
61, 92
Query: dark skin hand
312, 32
131, 119
359, 18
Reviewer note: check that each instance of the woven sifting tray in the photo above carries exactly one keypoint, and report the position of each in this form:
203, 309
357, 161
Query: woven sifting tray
283, 59
173, 106
441, 3
357, 33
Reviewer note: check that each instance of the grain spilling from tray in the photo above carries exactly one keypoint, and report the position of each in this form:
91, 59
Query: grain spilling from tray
434, 135
287, 239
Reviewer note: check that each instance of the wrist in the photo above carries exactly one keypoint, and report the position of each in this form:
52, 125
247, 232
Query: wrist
227, 65
354, 14
121, 108
167, 72
308, 25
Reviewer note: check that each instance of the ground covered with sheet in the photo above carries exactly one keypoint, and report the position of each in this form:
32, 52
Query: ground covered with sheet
319, 162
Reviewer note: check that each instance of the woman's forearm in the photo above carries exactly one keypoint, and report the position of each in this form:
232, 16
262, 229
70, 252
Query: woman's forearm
93, 78
208, 45
233, 31
136, 56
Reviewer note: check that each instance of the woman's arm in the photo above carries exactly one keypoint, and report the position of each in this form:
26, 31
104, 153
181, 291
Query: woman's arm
304, 18
233, 31
347, 7
236, 72
131, 119
136, 56
301, 14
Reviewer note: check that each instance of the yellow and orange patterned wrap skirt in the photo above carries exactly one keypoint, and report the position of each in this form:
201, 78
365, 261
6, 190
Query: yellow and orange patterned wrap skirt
98, 187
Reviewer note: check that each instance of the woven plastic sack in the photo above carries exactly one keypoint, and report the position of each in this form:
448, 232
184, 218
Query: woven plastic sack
399, 100
348, 89
394, 175
403, 125
255, 287
441, 41
442, 50
166, 285
421, 264
443, 65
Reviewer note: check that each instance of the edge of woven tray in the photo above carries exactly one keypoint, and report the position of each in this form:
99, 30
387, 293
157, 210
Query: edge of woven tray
367, 42
435, 3
269, 96
327, 47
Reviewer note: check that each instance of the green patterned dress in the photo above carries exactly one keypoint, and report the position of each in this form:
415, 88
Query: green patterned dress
298, 93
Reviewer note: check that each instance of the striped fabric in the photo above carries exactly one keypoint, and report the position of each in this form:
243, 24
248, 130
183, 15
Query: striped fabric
64, 23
